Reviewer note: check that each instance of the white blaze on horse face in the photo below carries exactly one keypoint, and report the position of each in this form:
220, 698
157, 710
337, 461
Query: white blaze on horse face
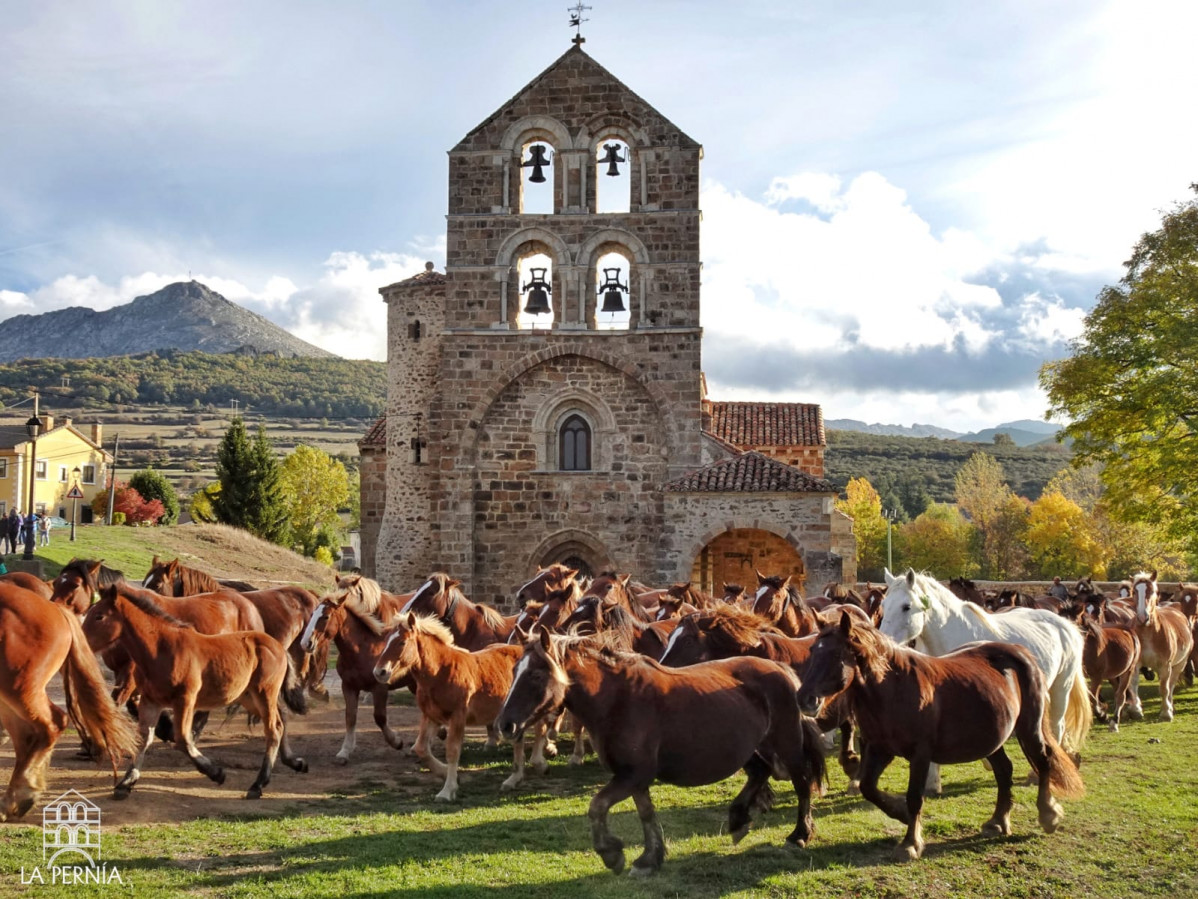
319, 613
670, 643
1141, 589
408, 605
146, 582
762, 591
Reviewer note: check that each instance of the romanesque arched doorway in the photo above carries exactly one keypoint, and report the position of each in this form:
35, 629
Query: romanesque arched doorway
735, 556
576, 549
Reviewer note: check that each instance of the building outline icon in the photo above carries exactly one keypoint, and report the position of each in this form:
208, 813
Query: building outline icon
71, 825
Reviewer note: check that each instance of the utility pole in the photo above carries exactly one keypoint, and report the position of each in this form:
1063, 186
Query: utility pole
34, 427
116, 448
890, 515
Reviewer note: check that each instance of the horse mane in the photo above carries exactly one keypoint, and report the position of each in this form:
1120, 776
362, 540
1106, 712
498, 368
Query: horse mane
363, 599
106, 576
146, 600
741, 627
491, 616
431, 625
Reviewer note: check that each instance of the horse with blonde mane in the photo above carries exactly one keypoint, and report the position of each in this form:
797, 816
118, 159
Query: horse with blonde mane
1166, 641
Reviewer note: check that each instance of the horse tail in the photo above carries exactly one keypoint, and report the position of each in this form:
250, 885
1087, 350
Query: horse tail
1079, 715
1034, 731
813, 754
88, 700
292, 691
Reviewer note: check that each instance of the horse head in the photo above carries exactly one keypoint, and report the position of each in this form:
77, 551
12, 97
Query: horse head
546, 579
905, 608
839, 652
436, 596
772, 597
539, 682
1144, 591
162, 576
76, 585
734, 593
324, 622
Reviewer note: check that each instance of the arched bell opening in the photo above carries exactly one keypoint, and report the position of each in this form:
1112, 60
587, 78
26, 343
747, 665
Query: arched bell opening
538, 290
613, 298
735, 557
613, 176
538, 178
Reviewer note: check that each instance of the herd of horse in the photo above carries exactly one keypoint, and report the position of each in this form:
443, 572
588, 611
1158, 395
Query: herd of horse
665, 684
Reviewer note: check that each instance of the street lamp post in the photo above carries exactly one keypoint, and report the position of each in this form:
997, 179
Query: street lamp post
75, 501
889, 515
34, 427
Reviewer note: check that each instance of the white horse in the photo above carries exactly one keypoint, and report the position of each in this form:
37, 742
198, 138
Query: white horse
919, 607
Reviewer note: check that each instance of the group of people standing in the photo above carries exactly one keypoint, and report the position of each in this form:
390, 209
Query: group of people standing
15, 533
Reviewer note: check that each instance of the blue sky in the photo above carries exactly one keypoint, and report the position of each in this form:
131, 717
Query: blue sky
907, 206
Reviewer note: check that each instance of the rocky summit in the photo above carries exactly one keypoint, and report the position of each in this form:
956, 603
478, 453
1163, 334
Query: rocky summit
182, 316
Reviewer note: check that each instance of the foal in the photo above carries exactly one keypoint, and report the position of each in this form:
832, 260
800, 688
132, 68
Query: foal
690, 726
955, 708
781, 603
1112, 652
454, 687
187, 671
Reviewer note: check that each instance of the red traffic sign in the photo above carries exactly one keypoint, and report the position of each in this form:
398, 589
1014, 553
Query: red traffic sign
75, 493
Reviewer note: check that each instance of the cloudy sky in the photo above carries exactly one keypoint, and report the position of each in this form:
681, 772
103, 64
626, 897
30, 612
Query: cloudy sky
908, 206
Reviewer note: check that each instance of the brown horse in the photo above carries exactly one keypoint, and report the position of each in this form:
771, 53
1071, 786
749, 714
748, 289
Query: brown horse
687, 726
725, 632
79, 582
617, 587
781, 603
608, 615
682, 599
949, 709
37, 639
187, 671
554, 577
176, 579
1166, 641
356, 617
473, 625
1112, 653
454, 687
964, 588
27, 581
734, 593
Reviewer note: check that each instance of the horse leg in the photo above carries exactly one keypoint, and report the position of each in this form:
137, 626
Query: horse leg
873, 763
34, 733
492, 736
579, 755
147, 716
272, 726
650, 860
1135, 707
1000, 821
912, 845
184, 715
850, 762
609, 847
740, 812
540, 745
517, 775
932, 786
351, 725
1174, 679
379, 693
453, 752
421, 750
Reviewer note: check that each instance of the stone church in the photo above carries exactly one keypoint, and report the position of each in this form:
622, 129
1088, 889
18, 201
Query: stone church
546, 398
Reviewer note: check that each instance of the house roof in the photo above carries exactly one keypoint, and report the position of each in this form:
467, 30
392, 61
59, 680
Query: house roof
376, 436
749, 473
14, 435
426, 278
748, 425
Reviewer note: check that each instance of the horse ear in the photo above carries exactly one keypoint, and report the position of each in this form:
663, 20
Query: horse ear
624, 581
452, 582
1152, 577
785, 583
846, 623
761, 578
570, 573
910, 577
411, 620
95, 567
545, 642
523, 634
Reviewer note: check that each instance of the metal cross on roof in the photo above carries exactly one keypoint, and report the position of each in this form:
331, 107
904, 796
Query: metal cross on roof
576, 21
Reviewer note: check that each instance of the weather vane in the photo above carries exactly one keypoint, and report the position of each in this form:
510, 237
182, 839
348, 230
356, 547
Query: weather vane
576, 21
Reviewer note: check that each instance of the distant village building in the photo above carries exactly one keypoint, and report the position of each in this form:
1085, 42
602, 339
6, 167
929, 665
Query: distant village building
580, 433
61, 448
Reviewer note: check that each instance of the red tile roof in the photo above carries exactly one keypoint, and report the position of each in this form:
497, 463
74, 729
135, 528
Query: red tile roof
426, 277
749, 425
376, 436
749, 473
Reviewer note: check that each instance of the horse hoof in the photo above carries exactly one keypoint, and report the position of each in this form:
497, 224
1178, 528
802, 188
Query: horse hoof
446, 797
121, 792
639, 871
996, 828
253, 793
1165, 716
340, 760
739, 834
909, 853
218, 776
541, 768
301, 766
854, 788
1113, 727
508, 785
614, 861
23, 807
794, 845
550, 750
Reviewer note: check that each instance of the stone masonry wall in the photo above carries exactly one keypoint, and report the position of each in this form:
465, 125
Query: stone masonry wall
735, 557
805, 458
373, 496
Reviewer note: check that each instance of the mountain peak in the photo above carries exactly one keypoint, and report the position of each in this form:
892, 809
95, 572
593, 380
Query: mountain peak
185, 315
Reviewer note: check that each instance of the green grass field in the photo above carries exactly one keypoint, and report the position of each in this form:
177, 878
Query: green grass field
1135, 834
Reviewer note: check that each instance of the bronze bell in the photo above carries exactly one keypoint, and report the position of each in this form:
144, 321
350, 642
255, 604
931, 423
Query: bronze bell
612, 289
538, 161
613, 156
538, 290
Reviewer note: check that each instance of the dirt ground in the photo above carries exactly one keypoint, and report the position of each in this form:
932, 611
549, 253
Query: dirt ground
172, 790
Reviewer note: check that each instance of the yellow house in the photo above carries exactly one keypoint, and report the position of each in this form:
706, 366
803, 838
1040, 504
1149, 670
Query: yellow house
61, 448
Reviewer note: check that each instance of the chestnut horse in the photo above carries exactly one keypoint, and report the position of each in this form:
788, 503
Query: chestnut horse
454, 687
27, 581
187, 671
687, 726
726, 631
1112, 652
608, 615
617, 587
472, 624
960, 707
1166, 641
39, 638
781, 603
284, 610
356, 617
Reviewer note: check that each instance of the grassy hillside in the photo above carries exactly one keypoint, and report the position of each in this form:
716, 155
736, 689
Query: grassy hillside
222, 551
933, 463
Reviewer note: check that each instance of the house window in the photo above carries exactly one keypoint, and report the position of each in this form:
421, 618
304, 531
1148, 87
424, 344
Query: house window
419, 451
40, 508
3, 468
41, 470
62, 474
89, 474
414, 330
3, 508
574, 449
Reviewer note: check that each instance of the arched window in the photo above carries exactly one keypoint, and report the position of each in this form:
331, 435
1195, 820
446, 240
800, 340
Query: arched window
535, 296
613, 309
574, 445
537, 179
613, 180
